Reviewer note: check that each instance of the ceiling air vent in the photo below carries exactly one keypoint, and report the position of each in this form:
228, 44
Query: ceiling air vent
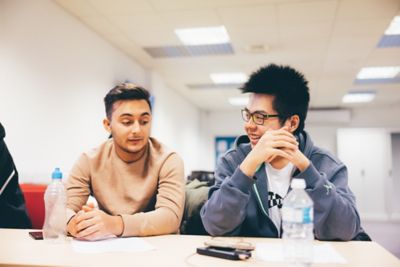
189, 51
389, 41
214, 86
377, 81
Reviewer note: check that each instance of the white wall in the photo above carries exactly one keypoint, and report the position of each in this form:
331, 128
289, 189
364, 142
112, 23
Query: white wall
366, 152
323, 136
176, 123
217, 123
54, 73
394, 183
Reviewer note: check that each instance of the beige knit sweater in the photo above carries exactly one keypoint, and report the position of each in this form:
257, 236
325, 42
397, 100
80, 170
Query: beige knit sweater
148, 193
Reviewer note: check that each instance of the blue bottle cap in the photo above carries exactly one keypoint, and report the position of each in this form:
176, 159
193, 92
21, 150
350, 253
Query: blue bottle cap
57, 174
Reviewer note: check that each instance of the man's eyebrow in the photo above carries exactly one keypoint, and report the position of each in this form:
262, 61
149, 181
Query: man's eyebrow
126, 115
257, 111
131, 115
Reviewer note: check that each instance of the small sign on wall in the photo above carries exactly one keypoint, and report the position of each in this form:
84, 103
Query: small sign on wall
223, 144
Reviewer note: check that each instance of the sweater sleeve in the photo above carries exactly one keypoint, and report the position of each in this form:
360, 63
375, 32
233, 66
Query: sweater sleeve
335, 213
225, 210
78, 186
170, 200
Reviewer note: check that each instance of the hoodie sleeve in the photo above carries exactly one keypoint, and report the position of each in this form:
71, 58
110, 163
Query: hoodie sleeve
225, 210
335, 213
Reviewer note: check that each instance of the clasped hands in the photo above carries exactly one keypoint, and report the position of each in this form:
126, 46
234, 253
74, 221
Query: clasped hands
272, 145
91, 223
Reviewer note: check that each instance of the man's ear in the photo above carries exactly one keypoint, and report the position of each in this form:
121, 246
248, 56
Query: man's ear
107, 125
293, 123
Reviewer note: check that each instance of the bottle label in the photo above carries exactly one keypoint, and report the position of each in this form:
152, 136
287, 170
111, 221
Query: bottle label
308, 215
302, 215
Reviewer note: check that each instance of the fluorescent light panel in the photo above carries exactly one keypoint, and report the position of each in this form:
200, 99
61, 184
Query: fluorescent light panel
394, 27
203, 36
358, 97
239, 101
378, 73
224, 78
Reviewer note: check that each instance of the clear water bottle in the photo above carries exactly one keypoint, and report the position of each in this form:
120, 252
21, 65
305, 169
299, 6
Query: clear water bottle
55, 199
297, 225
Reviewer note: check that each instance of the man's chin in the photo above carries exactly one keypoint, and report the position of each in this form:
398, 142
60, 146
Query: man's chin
134, 148
253, 143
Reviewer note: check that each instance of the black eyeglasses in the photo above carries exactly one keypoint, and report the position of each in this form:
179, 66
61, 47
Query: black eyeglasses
258, 118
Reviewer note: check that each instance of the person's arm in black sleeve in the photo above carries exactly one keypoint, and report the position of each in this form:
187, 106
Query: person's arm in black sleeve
12, 205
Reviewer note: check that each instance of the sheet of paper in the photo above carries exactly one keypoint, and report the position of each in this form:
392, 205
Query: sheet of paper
323, 253
131, 244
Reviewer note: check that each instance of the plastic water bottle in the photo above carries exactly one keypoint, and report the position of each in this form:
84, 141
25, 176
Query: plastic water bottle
297, 225
55, 199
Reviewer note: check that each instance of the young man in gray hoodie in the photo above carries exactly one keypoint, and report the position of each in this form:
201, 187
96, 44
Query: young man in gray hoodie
253, 178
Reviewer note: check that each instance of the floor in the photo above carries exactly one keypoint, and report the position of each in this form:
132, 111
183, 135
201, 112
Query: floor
387, 234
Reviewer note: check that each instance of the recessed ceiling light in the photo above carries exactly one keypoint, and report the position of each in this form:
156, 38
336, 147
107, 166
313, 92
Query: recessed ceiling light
394, 27
378, 73
358, 97
224, 78
239, 101
203, 36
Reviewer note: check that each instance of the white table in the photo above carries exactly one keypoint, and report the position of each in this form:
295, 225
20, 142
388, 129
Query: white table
17, 248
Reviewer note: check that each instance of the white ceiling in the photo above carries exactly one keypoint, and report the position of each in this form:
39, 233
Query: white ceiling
328, 40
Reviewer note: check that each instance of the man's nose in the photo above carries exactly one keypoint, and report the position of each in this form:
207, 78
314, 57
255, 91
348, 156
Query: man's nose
250, 124
135, 127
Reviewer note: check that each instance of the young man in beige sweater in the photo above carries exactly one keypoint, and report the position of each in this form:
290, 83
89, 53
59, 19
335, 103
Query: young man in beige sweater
137, 182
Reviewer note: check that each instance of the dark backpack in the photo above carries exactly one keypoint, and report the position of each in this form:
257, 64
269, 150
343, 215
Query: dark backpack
196, 190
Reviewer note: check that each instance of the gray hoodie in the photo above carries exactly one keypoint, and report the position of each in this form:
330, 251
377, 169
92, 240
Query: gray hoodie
238, 204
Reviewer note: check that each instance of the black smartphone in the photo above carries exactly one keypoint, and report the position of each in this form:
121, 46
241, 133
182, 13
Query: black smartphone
37, 235
225, 253
220, 243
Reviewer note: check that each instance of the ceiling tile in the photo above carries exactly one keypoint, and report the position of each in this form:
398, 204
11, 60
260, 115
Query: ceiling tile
352, 48
360, 27
196, 5
243, 36
191, 18
384, 57
122, 7
367, 9
144, 22
155, 38
306, 36
101, 25
80, 8
256, 15
307, 11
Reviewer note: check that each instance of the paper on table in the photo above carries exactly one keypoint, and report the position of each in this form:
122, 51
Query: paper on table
130, 244
323, 253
